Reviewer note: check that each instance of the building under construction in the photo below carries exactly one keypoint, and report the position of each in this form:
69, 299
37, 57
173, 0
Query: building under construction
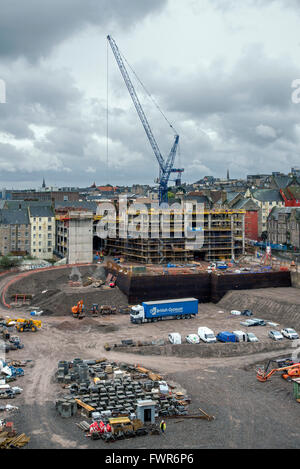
223, 237
152, 235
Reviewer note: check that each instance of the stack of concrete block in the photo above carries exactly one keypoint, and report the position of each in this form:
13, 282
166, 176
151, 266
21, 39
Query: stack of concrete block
112, 397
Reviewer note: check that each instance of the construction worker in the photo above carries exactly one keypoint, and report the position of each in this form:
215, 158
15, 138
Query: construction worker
163, 426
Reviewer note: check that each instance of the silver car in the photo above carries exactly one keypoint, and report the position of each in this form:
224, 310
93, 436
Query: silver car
192, 339
275, 335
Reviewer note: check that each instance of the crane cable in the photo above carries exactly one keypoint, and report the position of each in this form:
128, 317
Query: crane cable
107, 105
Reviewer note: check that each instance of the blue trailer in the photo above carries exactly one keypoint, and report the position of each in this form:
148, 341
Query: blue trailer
153, 311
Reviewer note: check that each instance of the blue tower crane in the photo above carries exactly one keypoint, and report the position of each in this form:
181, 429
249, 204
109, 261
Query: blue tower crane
165, 166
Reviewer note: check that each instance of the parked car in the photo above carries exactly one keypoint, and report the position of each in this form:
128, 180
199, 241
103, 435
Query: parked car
206, 334
174, 338
259, 322
289, 333
226, 337
192, 339
235, 312
275, 335
253, 322
251, 337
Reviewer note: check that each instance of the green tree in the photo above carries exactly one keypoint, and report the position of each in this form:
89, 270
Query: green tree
6, 262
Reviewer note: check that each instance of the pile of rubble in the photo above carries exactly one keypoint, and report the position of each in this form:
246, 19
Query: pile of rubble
90, 281
107, 392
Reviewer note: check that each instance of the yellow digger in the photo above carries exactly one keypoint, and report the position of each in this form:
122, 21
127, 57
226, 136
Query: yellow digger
23, 325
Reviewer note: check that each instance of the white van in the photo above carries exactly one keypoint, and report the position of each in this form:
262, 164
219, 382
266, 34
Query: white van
174, 338
240, 336
206, 334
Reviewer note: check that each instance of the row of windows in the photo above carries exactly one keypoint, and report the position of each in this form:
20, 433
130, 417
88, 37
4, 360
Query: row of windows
49, 219
40, 243
49, 236
19, 244
40, 228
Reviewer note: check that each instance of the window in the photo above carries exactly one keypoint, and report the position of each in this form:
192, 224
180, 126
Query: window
49, 227
40, 219
49, 219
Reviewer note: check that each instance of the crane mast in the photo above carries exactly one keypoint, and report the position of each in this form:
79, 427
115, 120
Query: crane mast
165, 167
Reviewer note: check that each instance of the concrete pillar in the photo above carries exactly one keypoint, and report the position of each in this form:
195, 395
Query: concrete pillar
232, 236
243, 233
80, 239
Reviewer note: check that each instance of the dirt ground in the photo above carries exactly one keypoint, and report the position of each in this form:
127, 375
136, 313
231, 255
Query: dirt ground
248, 414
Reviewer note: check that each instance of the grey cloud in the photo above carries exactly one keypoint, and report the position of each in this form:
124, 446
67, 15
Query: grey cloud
256, 81
242, 119
34, 27
255, 94
236, 4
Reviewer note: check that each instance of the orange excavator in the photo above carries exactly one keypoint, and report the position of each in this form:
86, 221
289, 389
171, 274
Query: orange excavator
78, 310
291, 371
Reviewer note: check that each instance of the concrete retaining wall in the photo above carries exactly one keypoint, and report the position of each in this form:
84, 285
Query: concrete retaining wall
205, 287
206, 350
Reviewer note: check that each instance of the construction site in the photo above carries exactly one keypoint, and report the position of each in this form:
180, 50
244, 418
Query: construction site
89, 373
151, 331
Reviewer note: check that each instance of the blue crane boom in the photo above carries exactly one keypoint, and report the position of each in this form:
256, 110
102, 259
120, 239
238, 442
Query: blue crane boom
165, 167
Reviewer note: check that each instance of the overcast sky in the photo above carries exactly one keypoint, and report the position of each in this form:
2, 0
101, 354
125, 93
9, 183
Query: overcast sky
221, 70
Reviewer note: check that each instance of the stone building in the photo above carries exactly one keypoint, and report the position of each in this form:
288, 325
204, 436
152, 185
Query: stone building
284, 226
42, 220
15, 232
